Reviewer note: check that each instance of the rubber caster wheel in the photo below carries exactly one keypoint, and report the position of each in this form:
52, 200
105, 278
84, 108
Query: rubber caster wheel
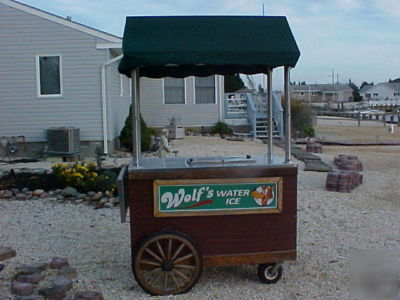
167, 263
267, 275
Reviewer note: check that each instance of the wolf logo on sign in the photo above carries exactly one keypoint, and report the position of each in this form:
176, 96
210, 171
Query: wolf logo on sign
263, 195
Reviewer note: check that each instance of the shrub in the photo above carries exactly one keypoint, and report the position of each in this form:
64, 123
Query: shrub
302, 120
84, 177
125, 137
221, 128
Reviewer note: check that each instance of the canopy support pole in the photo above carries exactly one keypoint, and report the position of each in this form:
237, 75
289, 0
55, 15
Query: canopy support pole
270, 115
136, 138
288, 117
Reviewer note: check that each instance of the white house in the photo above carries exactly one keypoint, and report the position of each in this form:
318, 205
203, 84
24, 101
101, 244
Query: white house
381, 91
56, 72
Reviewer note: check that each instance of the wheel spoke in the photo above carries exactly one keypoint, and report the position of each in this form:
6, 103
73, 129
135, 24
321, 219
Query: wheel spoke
149, 262
184, 257
185, 267
165, 285
160, 250
155, 270
178, 251
156, 278
175, 280
154, 255
169, 248
186, 279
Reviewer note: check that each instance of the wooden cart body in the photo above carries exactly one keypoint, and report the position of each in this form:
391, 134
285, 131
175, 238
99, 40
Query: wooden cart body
223, 238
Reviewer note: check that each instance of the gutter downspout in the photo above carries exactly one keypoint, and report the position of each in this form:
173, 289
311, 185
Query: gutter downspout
104, 101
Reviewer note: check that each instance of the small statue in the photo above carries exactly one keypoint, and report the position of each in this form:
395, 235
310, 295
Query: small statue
165, 147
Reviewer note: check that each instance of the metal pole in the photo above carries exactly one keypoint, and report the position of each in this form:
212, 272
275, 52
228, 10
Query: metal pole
288, 125
270, 115
135, 118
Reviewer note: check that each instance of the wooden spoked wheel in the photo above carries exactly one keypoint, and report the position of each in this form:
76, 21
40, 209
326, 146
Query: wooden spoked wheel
167, 263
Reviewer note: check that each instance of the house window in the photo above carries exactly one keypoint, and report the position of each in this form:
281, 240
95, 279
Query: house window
205, 90
396, 94
48, 71
174, 90
302, 93
368, 95
375, 94
313, 93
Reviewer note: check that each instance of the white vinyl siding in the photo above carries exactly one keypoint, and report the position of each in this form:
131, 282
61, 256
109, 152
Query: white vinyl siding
49, 78
174, 90
205, 92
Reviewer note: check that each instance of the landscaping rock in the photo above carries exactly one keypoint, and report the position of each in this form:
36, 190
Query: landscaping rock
81, 196
31, 269
7, 194
32, 297
22, 288
54, 292
88, 296
69, 192
1, 173
97, 196
38, 192
58, 262
91, 193
44, 195
114, 200
6, 253
108, 205
103, 201
20, 196
79, 201
24, 190
15, 191
68, 272
63, 282
52, 199
34, 278
60, 197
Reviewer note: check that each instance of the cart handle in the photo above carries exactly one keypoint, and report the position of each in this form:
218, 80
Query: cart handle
121, 194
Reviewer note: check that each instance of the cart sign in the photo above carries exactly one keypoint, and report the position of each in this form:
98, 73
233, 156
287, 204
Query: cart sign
193, 197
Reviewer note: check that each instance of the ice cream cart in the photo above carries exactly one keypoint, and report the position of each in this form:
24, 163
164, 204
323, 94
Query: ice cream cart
187, 213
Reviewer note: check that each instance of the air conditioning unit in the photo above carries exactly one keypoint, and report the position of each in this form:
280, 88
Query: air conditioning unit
63, 140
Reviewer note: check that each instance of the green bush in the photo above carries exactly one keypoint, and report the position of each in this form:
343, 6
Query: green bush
125, 137
302, 119
221, 128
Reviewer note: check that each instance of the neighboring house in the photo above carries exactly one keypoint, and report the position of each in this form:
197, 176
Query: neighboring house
191, 101
55, 72
381, 91
315, 93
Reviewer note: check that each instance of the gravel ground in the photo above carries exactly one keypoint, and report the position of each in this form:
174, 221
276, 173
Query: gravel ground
330, 224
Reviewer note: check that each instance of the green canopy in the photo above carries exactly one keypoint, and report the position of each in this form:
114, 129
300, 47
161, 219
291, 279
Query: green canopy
206, 45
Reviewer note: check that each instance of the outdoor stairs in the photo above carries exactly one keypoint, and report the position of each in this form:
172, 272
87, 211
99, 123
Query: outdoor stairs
261, 127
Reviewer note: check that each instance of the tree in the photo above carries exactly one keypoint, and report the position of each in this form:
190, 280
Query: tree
364, 83
125, 137
356, 91
233, 83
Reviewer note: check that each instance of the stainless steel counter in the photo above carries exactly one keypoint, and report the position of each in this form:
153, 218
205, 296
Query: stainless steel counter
172, 163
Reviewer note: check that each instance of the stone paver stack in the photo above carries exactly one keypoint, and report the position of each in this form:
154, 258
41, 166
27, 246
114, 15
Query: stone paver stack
314, 147
347, 177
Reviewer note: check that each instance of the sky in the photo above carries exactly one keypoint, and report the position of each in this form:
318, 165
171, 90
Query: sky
359, 39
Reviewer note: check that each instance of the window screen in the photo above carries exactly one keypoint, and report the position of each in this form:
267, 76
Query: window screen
49, 70
205, 89
174, 90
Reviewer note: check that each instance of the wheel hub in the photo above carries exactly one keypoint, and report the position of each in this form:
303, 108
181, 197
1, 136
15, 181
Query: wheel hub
167, 265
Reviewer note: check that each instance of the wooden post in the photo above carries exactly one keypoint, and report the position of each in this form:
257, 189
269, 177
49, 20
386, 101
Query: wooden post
359, 119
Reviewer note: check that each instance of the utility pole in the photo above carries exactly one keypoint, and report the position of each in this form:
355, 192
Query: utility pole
333, 86
263, 10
